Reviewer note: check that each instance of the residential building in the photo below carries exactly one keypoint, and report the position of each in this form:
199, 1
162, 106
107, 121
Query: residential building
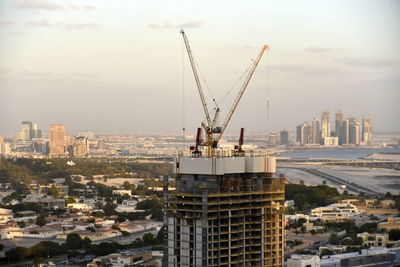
225, 211
80, 146
304, 261
354, 132
57, 140
338, 123
367, 130
325, 124
273, 138
316, 131
331, 141
47, 202
335, 212
374, 239
284, 137
345, 129
391, 224
304, 133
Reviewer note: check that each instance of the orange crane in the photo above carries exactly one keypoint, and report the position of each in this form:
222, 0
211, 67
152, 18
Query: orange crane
212, 131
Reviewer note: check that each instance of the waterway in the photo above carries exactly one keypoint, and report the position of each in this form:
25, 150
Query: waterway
340, 153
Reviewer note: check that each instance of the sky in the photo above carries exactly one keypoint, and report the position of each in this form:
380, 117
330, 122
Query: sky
120, 66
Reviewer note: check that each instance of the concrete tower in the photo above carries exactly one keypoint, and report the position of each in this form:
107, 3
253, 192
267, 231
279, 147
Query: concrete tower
325, 124
57, 140
338, 123
367, 130
226, 211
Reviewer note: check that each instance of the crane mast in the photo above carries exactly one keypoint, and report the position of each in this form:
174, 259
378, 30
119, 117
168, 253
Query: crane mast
214, 132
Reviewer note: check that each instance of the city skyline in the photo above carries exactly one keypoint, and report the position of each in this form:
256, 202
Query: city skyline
87, 60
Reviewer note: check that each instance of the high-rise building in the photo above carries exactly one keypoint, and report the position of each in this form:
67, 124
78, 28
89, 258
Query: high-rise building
304, 133
273, 138
26, 129
40, 145
345, 132
367, 130
354, 131
57, 140
338, 123
81, 146
325, 124
35, 131
226, 211
315, 132
284, 137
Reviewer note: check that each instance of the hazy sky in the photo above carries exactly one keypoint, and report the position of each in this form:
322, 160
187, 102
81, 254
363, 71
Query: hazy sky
112, 66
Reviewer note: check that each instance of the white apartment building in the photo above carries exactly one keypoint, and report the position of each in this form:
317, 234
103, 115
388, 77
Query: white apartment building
336, 211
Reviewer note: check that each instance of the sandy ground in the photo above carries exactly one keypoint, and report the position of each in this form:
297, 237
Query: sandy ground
380, 180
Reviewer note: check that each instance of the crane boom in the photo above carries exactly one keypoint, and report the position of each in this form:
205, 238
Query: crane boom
242, 89
196, 76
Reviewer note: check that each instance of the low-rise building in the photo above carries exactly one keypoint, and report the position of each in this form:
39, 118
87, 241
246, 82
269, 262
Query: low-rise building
5, 215
335, 212
47, 202
122, 192
374, 239
391, 224
304, 261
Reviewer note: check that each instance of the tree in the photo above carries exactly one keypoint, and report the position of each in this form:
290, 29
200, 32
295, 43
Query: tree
74, 241
148, 239
41, 221
54, 191
394, 234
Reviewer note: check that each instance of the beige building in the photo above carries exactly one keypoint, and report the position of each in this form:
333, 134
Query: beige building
81, 146
391, 224
374, 239
335, 212
57, 140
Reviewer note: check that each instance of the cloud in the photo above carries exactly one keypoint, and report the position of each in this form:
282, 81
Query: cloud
191, 24
18, 33
313, 49
6, 22
50, 5
67, 26
80, 26
39, 23
168, 25
87, 7
39, 4
4, 71
306, 70
367, 62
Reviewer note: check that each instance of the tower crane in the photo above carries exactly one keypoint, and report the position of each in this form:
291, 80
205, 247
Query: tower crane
213, 132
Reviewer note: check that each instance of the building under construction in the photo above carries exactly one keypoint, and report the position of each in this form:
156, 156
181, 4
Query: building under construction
227, 210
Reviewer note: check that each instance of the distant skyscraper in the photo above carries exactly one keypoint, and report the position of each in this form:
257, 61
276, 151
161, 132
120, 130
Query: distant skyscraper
273, 138
81, 146
367, 130
338, 123
345, 132
315, 132
284, 137
35, 131
304, 133
325, 124
57, 139
26, 129
354, 132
